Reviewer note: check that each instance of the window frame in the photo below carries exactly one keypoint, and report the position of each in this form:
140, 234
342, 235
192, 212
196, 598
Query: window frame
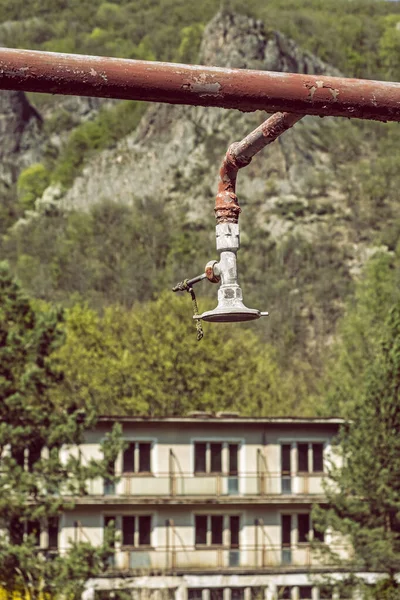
226, 527
136, 457
119, 530
225, 445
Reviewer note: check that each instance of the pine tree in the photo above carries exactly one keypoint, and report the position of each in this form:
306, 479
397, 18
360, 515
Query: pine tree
34, 481
363, 492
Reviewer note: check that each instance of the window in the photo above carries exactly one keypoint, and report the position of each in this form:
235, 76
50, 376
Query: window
303, 527
201, 529
136, 530
234, 527
16, 531
217, 594
217, 527
34, 454
128, 531
303, 462
144, 530
216, 458
208, 458
137, 458
209, 530
285, 459
305, 592
318, 457
194, 593
302, 455
237, 593
284, 593
233, 459
286, 530
53, 533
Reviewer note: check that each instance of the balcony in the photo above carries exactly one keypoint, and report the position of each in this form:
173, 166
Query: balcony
251, 558
221, 487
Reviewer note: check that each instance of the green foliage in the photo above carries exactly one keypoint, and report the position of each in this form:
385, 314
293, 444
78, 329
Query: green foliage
363, 494
31, 184
34, 426
190, 43
89, 137
147, 361
360, 331
113, 254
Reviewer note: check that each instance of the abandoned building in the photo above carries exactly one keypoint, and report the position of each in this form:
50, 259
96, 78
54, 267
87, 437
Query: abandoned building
208, 508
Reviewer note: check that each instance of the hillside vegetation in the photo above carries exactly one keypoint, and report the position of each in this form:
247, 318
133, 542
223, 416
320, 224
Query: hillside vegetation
128, 345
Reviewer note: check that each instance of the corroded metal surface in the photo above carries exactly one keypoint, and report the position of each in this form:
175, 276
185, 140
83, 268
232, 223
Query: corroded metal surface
246, 90
239, 155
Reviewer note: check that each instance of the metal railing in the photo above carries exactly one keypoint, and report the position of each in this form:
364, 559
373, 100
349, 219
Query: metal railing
165, 559
210, 485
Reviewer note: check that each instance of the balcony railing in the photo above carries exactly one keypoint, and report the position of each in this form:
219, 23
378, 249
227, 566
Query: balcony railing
217, 559
210, 485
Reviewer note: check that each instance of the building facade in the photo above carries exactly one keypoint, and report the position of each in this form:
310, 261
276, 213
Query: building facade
209, 508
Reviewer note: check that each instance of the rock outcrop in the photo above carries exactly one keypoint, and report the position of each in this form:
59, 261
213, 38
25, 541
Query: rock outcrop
175, 153
20, 136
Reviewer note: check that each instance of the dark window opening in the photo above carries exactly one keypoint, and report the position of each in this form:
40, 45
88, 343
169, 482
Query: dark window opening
53, 533
303, 525
216, 593
200, 458
201, 529
16, 531
18, 455
144, 458
129, 459
234, 527
318, 457
128, 531
305, 592
286, 530
285, 458
195, 593
233, 459
237, 593
34, 454
284, 593
302, 453
216, 529
216, 458
144, 530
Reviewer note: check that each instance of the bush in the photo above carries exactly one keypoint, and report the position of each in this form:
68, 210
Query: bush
31, 184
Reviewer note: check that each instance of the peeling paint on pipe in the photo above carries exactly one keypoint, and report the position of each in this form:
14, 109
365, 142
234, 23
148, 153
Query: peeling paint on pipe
239, 155
242, 89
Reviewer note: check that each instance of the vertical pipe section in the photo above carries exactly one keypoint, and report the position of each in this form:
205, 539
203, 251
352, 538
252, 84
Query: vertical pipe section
239, 155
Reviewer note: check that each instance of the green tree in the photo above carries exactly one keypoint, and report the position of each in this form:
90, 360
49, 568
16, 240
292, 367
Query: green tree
363, 490
147, 360
35, 480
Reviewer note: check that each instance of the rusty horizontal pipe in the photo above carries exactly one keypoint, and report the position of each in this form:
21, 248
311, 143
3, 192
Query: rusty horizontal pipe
245, 90
239, 155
